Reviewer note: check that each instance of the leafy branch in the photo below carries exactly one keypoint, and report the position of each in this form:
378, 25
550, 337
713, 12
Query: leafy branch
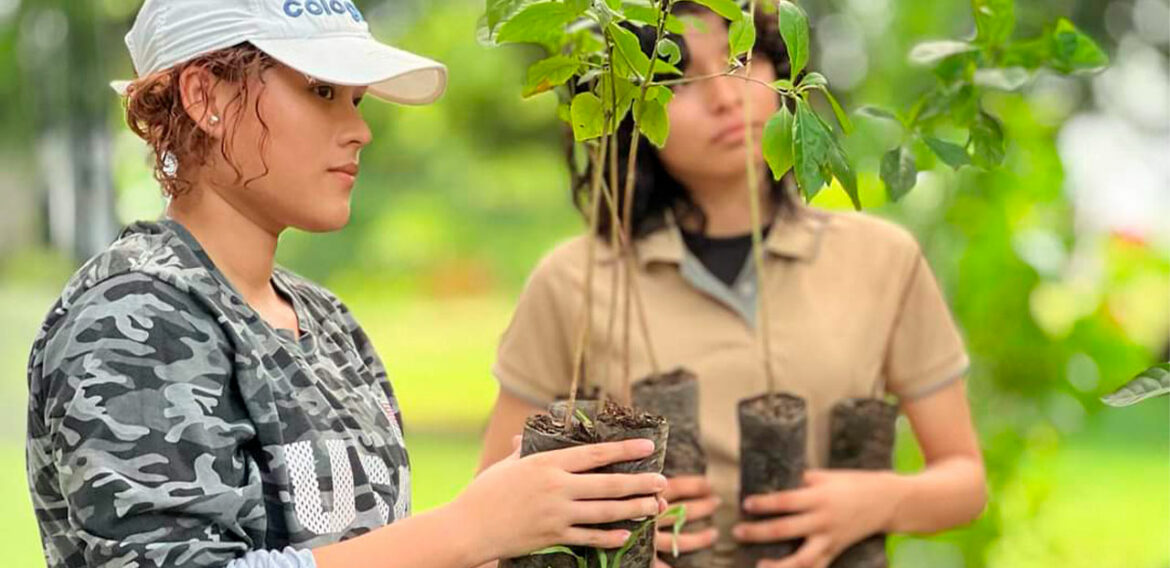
965, 70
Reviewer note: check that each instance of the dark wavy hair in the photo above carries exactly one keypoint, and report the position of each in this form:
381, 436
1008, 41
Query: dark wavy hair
655, 189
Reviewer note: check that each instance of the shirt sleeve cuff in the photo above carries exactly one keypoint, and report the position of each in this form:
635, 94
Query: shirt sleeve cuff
287, 558
939, 380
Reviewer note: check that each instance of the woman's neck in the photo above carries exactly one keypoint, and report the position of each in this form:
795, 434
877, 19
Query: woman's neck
725, 204
242, 249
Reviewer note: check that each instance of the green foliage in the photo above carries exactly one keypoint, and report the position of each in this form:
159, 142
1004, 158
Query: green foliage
538, 23
811, 142
729, 9
1152, 382
994, 20
588, 114
964, 71
794, 30
899, 172
777, 143
548, 73
741, 36
593, 41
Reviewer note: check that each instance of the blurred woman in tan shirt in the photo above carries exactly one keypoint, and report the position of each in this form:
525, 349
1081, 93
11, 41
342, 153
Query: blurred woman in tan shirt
855, 311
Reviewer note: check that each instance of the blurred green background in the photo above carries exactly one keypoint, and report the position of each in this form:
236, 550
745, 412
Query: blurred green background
1057, 268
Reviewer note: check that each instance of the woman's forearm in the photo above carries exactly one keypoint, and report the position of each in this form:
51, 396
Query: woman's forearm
948, 493
436, 539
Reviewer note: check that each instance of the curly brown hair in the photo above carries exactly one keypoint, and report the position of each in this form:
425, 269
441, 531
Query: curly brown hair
155, 112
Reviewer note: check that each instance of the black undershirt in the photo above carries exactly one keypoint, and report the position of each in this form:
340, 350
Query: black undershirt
723, 257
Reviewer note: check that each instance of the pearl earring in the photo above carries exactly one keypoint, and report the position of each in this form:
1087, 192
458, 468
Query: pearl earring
170, 165
214, 119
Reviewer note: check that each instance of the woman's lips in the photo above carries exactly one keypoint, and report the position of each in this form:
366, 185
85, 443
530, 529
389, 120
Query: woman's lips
733, 133
347, 173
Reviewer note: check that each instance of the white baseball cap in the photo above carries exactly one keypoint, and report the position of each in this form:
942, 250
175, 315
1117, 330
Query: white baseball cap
328, 40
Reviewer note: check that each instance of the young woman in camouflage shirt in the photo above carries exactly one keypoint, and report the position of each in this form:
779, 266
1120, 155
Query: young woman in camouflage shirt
192, 404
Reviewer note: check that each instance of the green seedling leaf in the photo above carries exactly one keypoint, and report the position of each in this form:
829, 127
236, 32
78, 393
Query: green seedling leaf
777, 143
952, 154
583, 418
498, 11
634, 536
546, 74
843, 171
879, 113
729, 9
536, 23
670, 50
628, 51
741, 37
842, 117
1151, 383
794, 31
994, 20
578, 7
899, 172
626, 93
581, 562
1003, 79
987, 139
1072, 50
814, 80
931, 52
588, 116
811, 143
679, 514
652, 120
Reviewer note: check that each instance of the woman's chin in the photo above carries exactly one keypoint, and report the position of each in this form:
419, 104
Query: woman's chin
326, 221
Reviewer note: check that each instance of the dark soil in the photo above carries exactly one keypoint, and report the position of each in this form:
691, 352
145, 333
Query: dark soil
862, 437
773, 447
675, 396
547, 432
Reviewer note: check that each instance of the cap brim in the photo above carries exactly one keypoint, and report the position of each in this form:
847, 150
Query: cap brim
120, 87
390, 73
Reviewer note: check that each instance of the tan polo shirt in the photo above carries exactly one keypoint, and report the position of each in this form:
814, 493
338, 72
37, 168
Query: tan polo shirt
854, 311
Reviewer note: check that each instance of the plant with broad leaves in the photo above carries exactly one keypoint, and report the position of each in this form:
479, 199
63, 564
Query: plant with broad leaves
967, 69
591, 41
1151, 383
601, 73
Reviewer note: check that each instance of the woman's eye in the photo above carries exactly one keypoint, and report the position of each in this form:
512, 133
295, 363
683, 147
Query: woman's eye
323, 91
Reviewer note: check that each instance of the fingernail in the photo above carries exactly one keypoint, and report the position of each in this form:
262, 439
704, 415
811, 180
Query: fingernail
660, 482
646, 445
749, 504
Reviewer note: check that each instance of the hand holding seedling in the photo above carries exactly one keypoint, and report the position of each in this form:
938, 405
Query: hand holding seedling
833, 510
524, 504
694, 493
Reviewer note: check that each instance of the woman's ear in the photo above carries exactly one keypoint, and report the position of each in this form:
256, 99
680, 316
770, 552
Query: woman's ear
198, 87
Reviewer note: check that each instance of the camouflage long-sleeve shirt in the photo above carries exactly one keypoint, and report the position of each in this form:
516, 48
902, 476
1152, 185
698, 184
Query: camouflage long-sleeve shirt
169, 425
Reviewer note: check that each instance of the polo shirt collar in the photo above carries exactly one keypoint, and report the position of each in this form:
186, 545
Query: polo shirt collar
795, 236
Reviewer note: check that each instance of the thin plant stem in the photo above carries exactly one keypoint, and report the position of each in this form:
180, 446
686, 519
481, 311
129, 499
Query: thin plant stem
586, 327
631, 283
757, 230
